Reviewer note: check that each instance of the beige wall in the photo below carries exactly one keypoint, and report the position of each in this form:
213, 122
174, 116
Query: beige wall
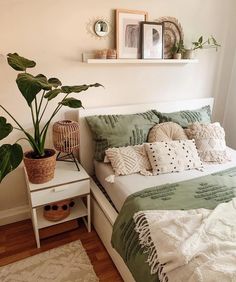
53, 32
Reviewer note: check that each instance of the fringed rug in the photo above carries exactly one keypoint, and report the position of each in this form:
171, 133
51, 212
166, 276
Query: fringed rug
68, 263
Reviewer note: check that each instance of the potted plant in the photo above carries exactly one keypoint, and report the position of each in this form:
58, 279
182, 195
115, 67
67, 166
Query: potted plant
201, 44
38, 91
178, 49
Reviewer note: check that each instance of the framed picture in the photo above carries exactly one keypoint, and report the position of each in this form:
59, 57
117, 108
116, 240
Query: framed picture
128, 33
152, 40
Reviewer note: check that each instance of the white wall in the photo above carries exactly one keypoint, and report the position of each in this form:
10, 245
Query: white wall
230, 110
53, 32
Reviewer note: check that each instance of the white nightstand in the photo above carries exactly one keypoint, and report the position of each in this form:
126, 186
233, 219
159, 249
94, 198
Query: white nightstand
67, 183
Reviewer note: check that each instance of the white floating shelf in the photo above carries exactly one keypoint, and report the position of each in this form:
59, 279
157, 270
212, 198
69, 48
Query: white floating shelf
79, 210
140, 61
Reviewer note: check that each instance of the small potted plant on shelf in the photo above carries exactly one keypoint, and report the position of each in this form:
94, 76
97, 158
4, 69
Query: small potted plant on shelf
178, 50
38, 91
201, 44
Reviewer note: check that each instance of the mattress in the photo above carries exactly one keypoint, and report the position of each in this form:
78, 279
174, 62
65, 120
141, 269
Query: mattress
129, 184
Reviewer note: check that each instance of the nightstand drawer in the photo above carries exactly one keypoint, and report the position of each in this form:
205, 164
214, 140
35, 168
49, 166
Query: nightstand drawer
62, 192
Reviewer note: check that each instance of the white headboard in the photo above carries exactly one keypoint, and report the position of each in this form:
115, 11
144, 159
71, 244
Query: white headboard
86, 142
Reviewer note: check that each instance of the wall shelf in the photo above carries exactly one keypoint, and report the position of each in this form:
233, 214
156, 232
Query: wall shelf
140, 61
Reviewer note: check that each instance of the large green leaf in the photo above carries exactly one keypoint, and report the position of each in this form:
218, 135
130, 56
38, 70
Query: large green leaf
71, 102
52, 94
42, 79
5, 128
78, 88
30, 85
19, 63
10, 158
55, 82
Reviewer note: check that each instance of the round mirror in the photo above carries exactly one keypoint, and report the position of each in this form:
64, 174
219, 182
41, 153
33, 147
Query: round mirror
101, 28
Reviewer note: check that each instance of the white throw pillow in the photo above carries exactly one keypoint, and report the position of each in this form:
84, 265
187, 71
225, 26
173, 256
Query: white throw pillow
128, 160
210, 141
173, 156
166, 131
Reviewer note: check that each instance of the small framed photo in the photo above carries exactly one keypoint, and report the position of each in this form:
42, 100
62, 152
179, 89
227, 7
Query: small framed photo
152, 40
128, 33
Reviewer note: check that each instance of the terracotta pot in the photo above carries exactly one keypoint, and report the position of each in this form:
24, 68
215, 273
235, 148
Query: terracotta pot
177, 56
188, 54
40, 170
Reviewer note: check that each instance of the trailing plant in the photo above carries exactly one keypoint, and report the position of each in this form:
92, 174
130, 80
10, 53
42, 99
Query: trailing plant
178, 47
205, 44
38, 91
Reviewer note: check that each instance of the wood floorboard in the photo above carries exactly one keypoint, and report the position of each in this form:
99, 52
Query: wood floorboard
17, 242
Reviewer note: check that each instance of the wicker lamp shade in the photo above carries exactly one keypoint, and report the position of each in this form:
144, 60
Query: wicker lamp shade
66, 136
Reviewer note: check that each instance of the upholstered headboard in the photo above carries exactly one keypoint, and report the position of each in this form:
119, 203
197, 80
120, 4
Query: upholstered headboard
86, 151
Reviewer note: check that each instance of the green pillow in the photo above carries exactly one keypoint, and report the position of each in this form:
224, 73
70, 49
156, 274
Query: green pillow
120, 130
184, 118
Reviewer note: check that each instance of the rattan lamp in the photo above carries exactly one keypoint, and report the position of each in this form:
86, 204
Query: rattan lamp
66, 140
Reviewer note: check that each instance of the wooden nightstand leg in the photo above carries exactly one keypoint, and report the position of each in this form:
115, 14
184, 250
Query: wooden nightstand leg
35, 226
89, 213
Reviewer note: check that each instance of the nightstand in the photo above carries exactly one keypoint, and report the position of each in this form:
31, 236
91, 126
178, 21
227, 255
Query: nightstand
67, 183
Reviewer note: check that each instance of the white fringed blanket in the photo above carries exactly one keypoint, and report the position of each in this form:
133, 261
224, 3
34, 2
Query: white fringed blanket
191, 246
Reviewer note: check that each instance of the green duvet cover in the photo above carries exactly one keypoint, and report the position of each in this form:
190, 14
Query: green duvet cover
202, 192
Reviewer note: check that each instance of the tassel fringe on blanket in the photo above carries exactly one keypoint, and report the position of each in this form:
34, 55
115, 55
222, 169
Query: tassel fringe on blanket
145, 240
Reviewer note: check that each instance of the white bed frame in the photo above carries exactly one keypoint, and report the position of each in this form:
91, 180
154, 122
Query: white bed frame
103, 214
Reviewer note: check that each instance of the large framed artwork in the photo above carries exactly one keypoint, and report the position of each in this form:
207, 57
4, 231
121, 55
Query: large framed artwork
128, 33
152, 40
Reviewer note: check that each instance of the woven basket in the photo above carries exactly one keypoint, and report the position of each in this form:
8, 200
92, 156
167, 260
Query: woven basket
40, 170
55, 211
66, 136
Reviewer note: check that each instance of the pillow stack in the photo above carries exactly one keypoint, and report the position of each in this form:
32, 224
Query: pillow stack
123, 140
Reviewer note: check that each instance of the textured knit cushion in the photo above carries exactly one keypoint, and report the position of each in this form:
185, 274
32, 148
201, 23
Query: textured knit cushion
120, 130
184, 118
210, 141
173, 156
128, 160
166, 131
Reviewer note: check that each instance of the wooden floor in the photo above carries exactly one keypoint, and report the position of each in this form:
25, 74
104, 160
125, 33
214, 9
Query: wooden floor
17, 242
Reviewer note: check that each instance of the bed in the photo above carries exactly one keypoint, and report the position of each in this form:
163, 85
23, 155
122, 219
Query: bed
104, 213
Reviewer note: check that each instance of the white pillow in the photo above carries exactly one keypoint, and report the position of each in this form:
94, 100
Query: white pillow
210, 141
128, 160
173, 156
166, 131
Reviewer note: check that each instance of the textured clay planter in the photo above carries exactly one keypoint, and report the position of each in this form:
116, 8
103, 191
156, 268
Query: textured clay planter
40, 170
177, 56
189, 54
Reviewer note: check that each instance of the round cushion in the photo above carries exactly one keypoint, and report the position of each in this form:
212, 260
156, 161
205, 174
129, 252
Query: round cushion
166, 131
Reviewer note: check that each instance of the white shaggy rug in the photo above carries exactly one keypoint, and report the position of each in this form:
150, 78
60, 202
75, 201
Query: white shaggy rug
68, 263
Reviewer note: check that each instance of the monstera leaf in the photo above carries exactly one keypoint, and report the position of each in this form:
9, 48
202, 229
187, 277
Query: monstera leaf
30, 85
19, 63
55, 82
10, 158
52, 94
5, 128
78, 88
71, 103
